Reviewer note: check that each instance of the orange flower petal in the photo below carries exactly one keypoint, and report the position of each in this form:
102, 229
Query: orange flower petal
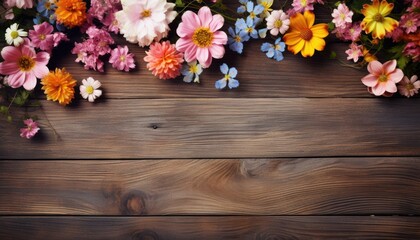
318, 43
297, 22
390, 24
292, 38
310, 18
296, 48
308, 50
320, 30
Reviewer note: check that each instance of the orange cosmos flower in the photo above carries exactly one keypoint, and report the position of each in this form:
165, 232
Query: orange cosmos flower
375, 20
164, 60
71, 13
304, 36
59, 86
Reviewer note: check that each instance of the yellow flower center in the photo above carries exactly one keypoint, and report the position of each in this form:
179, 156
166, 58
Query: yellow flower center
383, 78
409, 23
42, 36
14, 34
378, 17
238, 39
342, 16
145, 14
410, 86
306, 34
278, 23
122, 58
303, 3
227, 76
202, 37
89, 89
252, 15
26, 63
193, 68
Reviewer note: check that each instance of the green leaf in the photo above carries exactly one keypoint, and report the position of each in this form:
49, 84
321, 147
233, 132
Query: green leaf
402, 62
179, 3
333, 55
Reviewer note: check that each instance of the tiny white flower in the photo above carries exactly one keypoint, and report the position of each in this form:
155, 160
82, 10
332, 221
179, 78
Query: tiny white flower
14, 35
192, 71
89, 90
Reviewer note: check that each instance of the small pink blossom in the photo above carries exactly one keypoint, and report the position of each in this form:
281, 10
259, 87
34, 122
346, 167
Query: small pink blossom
412, 50
20, 3
342, 16
121, 59
23, 65
278, 22
42, 36
396, 35
30, 130
351, 32
354, 52
409, 87
58, 37
410, 22
303, 5
200, 38
383, 77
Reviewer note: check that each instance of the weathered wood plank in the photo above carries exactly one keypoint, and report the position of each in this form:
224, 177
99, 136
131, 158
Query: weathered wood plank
222, 128
244, 228
332, 186
259, 77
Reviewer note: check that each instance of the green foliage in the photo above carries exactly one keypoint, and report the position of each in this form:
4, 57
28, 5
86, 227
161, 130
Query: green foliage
179, 3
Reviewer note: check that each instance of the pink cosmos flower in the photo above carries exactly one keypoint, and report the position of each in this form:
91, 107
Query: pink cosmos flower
121, 59
42, 37
20, 3
23, 65
383, 77
342, 15
354, 52
410, 22
409, 87
199, 36
30, 130
303, 5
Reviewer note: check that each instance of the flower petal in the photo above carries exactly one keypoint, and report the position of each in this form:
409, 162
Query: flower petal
292, 38
10, 53
297, 22
308, 50
16, 80
310, 18
8, 68
375, 67
318, 43
42, 58
320, 30
391, 87
389, 67
217, 51
203, 57
220, 37
396, 76
370, 80
204, 14
224, 68
40, 71
217, 22
30, 81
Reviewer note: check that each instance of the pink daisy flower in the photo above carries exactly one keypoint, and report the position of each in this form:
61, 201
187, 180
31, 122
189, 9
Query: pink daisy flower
164, 60
23, 66
121, 59
342, 15
30, 130
409, 87
42, 37
410, 22
354, 52
383, 77
278, 22
199, 36
303, 5
20, 3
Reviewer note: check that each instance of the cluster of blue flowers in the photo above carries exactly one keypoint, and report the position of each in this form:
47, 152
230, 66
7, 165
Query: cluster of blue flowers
46, 9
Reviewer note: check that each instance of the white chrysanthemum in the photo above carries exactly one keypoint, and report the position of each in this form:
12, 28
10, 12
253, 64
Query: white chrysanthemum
145, 21
89, 90
14, 35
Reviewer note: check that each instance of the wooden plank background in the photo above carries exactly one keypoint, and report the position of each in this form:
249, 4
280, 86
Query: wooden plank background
299, 151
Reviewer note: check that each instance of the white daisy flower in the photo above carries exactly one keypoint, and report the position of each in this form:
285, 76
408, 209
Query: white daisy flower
14, 35
89, 90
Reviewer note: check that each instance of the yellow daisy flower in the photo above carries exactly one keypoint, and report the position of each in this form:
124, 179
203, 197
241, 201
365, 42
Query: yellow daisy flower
304, 36
267, 7
376, 20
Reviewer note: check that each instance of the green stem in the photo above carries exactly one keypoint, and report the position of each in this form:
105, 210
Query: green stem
11, 102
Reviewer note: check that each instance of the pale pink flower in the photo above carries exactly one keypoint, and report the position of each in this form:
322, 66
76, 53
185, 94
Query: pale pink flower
20, 3
383, 77
303, 5
199, 36
121, 59
23, 65
42, 37
30, 130
278, 22
342, 15
409, 87
143, 21
354, 52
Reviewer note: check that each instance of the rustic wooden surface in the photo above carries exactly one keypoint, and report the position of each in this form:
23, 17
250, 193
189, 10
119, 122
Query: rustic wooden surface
299, 151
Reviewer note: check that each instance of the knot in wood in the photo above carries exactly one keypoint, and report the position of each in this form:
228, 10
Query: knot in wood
145, 235
134, 203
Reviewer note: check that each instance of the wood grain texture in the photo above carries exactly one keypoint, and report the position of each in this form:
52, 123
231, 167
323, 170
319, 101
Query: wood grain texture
259, 77
306, 186
243, 228
222, 128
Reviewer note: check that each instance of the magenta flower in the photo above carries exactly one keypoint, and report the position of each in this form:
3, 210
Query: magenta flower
199, 36
23, 66
30, 130
42, 37
383, 77
121, 59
